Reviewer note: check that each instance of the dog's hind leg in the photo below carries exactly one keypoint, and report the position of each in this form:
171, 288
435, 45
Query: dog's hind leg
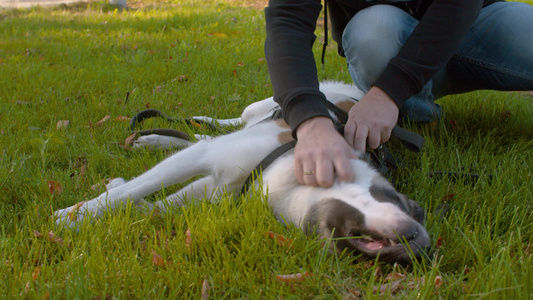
177, 168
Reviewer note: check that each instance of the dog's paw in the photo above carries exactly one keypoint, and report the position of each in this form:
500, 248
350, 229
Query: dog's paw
73, 215
155, 141
113, 183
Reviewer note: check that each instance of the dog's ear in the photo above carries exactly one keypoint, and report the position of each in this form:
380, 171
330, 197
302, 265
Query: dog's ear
417, 212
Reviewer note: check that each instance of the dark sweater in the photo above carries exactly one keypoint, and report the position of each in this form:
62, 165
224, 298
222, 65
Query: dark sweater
290, 26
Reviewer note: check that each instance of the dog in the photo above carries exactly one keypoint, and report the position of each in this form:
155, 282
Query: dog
367, 216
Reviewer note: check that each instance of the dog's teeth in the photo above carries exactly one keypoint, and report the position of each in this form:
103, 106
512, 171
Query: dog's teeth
393, 243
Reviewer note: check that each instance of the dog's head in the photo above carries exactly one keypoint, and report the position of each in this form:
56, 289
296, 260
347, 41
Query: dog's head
369, 217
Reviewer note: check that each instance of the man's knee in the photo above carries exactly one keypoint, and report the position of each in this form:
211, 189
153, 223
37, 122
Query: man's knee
375, 35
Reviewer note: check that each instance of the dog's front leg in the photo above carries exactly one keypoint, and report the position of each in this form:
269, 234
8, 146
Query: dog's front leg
203, 188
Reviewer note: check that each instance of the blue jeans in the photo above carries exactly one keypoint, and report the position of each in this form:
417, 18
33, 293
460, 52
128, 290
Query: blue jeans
496, 54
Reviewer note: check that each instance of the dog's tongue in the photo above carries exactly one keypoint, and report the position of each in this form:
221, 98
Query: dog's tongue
374, 245
371, 244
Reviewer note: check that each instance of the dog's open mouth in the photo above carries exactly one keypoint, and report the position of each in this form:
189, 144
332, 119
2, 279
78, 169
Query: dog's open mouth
370, 244
399, 249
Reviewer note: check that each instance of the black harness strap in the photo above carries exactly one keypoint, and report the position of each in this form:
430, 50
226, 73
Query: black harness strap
150, 113
267, 161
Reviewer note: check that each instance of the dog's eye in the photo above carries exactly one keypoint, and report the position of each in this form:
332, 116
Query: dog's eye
383, 194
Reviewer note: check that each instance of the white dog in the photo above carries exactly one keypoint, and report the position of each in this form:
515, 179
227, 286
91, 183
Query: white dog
366, 216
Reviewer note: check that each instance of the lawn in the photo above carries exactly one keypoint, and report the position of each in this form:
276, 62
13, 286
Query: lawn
72, 76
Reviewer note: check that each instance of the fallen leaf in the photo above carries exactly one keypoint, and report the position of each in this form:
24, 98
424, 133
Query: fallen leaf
51, 237
438, 282
54, 187
36, 272
101, 122
391, 287
205, 289
130, 139
438, 244
194, 124
240, 64
280, 239
235, 73
415, 283
393, 276
293, 278
356, 292
61, 124
73, 213
158, 261
188, 239
54, 238
123, 119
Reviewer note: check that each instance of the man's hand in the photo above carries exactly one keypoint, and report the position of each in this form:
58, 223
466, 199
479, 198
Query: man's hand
371, 120
320, 153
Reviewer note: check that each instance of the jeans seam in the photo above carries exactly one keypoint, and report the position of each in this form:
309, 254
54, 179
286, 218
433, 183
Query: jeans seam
492, 67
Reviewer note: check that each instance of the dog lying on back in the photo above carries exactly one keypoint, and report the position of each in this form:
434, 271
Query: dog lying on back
366, 216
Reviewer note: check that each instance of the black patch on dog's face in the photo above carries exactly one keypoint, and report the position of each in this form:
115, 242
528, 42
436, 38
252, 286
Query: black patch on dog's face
387, 194
334, 215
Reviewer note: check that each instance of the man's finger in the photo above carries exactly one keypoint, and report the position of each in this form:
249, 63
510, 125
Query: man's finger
374, 140
324, 174
360, 138
349, 132
343, 168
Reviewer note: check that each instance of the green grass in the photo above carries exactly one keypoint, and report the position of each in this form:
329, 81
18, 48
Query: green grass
81, 63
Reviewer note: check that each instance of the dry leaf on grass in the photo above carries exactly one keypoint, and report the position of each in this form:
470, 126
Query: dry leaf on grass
128, 142
188, 239
293, 278
36, 272
438, 282
123, 119
391, 283
72, 214
51, 237
54, 187
158, 261
61, 124
280, 239
205, 289
101, 122
391, 287
393, 276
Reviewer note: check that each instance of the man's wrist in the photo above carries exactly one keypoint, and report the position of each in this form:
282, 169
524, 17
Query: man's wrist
314, 126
